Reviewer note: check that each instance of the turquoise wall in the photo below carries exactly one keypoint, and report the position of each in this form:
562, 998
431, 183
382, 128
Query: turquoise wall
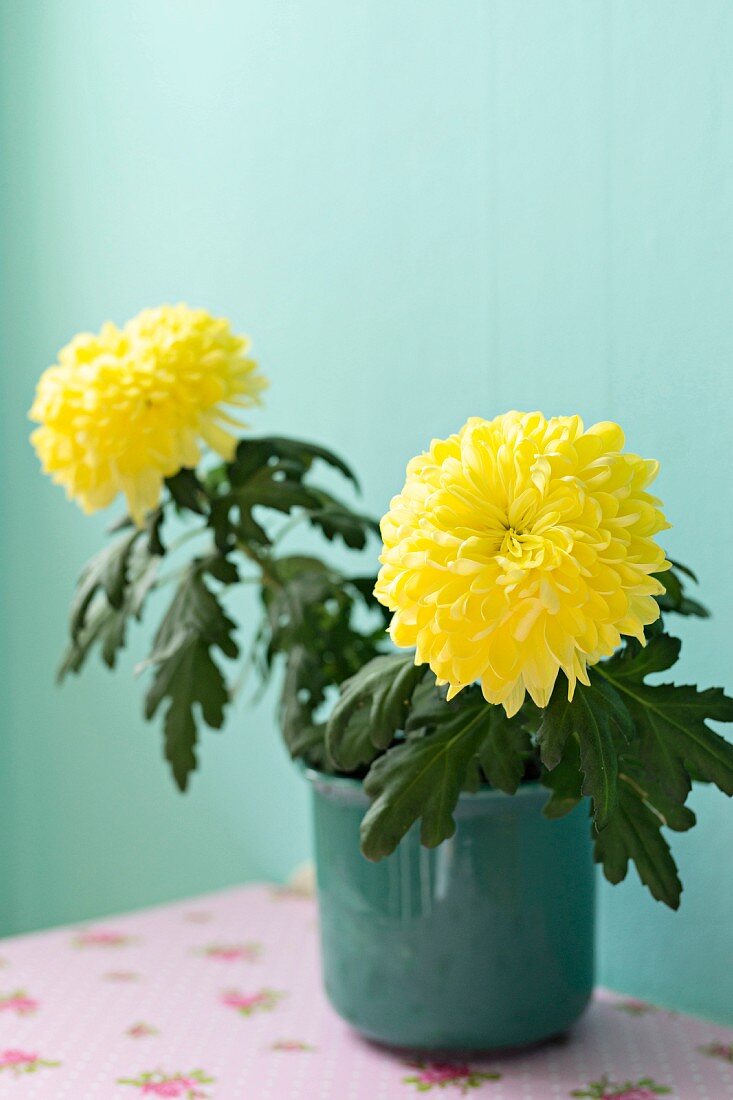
420, 210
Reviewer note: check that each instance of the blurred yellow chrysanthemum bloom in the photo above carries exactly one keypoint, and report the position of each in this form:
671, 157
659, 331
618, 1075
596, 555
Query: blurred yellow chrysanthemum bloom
125, 408
519, 547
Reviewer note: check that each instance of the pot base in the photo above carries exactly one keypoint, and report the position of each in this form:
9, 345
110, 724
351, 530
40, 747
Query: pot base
445, 1053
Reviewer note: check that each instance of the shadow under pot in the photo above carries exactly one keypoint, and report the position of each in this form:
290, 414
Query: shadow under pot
484, 943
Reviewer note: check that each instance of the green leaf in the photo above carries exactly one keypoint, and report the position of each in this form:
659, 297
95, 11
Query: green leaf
474, 777
634, 662
187, 677
315, 619
556, 726
420, 779
107, 571
372, 707
599, 721
365, 587
429, 707
154, 527
634, 832
505, 750
269, 473
670, 813
672, 735
299, 456
187, 491
186, 674
220, 568
675, 596
106, 626
269, 487
336, 519
103, 626
194, 611
565, 782
303, 691
670, 739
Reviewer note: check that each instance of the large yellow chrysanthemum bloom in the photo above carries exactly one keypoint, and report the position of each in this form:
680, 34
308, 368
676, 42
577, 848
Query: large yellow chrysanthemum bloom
519, 547
125, 408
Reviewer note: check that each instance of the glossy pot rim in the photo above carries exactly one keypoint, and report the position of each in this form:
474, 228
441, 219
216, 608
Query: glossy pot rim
346, 789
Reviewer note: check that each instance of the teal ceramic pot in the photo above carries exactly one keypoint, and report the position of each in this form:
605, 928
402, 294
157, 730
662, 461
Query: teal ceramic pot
485, 942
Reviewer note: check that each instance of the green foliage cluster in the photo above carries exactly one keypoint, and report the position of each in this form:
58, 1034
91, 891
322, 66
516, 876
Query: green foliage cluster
350, 705
631, 747
315, 621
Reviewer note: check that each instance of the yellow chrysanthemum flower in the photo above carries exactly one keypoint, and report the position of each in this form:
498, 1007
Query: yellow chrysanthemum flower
125, 408
519, 547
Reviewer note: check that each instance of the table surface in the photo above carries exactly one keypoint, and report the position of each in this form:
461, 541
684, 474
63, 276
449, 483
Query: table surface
221, 998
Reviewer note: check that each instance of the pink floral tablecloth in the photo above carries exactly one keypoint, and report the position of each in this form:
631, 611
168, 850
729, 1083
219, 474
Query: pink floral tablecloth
221, 998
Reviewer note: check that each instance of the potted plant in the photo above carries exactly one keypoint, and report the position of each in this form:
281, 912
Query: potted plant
526, 596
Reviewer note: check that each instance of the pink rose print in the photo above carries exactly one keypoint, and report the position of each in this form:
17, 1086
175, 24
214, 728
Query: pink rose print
291, 1045
21, 1061
157, 1083
102, 937
634, 1007
198, 916
18, 1002
236, 952
141, 1030
724, 1051
3, 963
442, 1075
246, 1004
605, 1089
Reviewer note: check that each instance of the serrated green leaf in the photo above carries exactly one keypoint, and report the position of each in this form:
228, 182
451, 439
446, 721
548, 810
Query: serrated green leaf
420, 779
600, 722
105, 626
269, 487
685, 569
504, 750
186, 674
635, 662
634, 832
565, 782
336, 519
220, 568
194, 612
315, 621
154, 527
429, 707
269, 473
372, 707
672, 735
188, 677
365, 587
670, 813
106, 571
675, 597
187, 491
303, 691
252, 454
555, 727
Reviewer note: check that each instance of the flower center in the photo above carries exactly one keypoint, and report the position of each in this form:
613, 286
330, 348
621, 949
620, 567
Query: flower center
522, 548
512, 542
